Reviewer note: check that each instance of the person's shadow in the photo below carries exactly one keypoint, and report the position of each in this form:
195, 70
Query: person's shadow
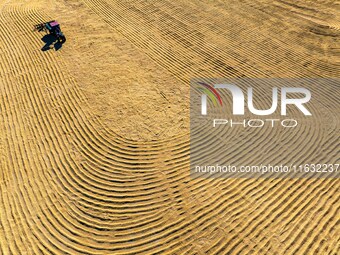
50, 42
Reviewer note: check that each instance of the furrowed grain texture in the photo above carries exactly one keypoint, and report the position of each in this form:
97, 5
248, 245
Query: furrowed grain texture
94, 138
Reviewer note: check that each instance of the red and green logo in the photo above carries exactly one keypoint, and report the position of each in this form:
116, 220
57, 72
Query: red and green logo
212, 93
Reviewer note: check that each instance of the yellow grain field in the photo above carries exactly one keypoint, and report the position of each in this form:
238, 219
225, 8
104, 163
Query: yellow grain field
94, 137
